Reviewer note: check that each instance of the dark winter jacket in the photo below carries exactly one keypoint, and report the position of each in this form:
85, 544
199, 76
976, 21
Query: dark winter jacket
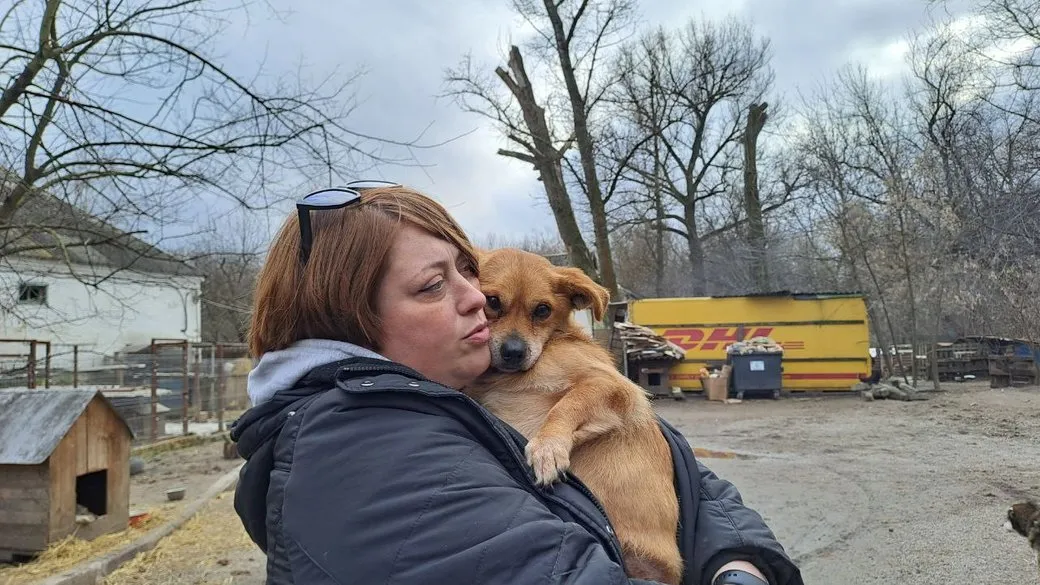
365, 472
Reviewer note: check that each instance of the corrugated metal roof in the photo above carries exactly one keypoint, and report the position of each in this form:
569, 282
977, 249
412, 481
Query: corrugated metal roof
33, 422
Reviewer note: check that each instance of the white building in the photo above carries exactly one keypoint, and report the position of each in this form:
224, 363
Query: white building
90, 286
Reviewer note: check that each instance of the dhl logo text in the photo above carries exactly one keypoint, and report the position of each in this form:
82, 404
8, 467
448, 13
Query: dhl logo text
713, 338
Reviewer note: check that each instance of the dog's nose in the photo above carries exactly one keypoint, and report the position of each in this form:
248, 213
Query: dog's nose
513, 351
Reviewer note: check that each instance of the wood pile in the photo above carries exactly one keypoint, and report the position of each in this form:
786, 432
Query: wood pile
755, 345
641, 343
894, 388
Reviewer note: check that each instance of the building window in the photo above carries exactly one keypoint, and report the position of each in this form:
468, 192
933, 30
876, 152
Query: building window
35, 294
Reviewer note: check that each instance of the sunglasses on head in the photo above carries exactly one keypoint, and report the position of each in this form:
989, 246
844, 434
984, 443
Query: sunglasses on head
329, 198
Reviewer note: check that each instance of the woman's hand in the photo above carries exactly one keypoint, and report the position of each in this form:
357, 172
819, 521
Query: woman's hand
739, 565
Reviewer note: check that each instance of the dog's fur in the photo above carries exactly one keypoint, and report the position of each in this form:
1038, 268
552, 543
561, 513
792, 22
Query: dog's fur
579, 414
1024, 519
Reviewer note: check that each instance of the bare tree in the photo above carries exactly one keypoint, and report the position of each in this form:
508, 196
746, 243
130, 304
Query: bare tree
228, 254
1014, 25
928, 191
579, 32
545, 244
756, 120
572, 38
946, 92
124, 111
631, 159
852, 150
709, 74
519, 116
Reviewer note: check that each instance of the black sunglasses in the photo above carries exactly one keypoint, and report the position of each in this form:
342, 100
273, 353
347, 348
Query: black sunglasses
329, 198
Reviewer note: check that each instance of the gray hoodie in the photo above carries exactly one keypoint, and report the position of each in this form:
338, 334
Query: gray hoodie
280, 370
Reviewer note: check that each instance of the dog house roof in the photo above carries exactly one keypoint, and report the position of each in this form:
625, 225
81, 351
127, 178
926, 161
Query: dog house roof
33, 422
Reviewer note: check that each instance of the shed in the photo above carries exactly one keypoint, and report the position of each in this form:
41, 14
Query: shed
64, 468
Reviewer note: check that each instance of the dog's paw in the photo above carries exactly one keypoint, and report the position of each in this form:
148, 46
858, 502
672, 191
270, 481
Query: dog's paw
549, 458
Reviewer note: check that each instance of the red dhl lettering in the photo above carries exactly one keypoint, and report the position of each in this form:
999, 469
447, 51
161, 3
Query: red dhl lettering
711, 338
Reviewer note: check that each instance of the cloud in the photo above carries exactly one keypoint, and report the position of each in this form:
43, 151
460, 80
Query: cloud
406, 47
404, 50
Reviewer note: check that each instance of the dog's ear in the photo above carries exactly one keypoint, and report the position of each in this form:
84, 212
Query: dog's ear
582, 291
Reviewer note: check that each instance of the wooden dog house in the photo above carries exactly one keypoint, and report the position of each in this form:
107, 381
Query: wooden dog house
654, 375
64, 468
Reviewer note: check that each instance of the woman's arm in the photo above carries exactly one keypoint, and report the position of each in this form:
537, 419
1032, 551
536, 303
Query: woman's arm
408, 497
724, 529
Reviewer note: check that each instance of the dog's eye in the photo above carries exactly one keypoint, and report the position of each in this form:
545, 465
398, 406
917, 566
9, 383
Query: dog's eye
494, 304
542, 311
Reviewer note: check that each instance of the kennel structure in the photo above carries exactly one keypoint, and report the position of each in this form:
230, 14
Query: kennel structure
64, 468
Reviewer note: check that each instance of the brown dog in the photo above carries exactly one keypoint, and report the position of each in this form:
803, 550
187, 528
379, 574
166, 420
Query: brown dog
1024, 519
560, 389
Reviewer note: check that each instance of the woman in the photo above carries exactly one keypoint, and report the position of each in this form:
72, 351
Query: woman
365, 464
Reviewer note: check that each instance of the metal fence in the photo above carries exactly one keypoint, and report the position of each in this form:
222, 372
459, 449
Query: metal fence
166, 388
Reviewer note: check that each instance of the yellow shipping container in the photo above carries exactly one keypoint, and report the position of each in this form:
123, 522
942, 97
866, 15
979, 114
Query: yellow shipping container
825, 337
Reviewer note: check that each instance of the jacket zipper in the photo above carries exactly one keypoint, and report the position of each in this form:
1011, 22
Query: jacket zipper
510, 445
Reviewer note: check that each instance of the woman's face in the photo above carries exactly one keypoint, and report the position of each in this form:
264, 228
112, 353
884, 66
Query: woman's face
432, 312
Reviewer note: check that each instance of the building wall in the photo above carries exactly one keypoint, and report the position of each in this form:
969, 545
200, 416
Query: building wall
125, 311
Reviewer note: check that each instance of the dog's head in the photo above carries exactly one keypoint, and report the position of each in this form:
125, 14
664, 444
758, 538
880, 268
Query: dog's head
529, 300
1020, 515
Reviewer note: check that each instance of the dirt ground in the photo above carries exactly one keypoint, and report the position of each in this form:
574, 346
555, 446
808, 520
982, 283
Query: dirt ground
210, 549
193, 468
865, 493
859, 493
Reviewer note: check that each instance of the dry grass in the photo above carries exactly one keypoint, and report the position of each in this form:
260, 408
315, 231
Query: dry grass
195, 553
71, 551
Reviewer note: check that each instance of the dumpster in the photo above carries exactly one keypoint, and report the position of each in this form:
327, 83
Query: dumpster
756, 373
757, 367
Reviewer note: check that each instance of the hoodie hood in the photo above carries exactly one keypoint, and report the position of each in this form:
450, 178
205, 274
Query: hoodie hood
281, 370
263, 421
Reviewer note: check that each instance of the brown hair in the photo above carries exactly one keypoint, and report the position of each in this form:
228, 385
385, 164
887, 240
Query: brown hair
333, 296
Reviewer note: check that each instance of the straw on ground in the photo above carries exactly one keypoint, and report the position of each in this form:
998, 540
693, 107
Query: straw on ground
198, 552
71, 551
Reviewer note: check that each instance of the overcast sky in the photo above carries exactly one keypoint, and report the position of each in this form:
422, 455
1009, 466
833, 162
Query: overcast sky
405, 47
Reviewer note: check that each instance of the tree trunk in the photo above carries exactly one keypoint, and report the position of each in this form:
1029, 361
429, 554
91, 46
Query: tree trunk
886, 359
598, 210
756, 119
860, 250
910, 290
698, 282
13, 201
888, 315
660, 262
872, 318
546, 160
586, 150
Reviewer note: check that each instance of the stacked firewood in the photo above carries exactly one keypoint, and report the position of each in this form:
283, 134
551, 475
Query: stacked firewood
641, 343
894, 388
755, 345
